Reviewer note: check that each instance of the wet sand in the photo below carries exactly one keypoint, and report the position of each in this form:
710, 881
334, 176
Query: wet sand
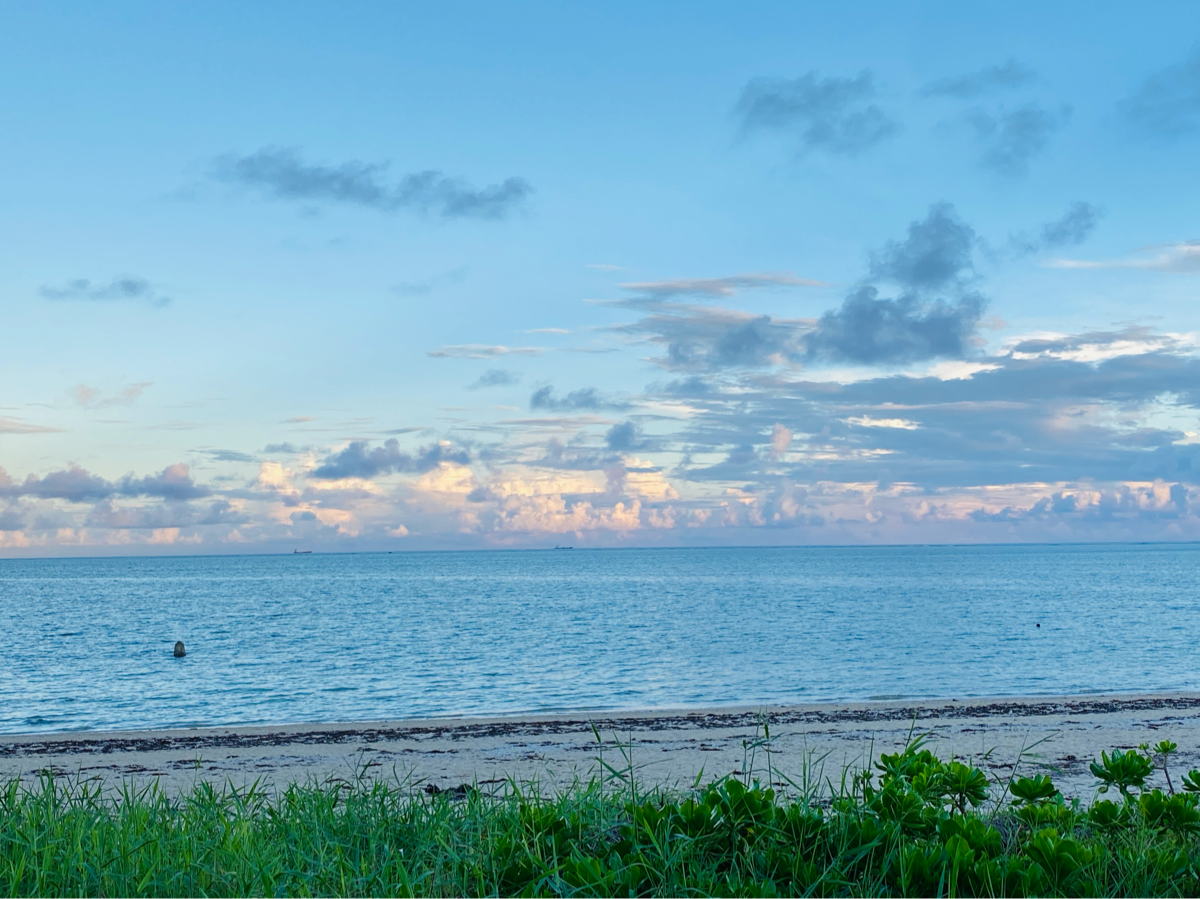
1060, 735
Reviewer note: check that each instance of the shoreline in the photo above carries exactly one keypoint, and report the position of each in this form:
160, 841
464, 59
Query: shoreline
669, 747
865, 710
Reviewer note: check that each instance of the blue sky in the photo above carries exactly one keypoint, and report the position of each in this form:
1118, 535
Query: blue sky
381, 277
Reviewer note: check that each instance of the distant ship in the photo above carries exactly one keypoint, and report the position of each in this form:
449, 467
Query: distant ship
301, 552
564, 547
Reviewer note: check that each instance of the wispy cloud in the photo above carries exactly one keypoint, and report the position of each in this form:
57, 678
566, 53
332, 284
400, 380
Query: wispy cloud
548, 331
357, 460
1011, 74
718, 287
122, 287
576, 400
934, 315
482, 351
1167, 104
16, 426
833, 114
1072, 228
94, 398
496, 377
1181, 257
1012, 139
281, 173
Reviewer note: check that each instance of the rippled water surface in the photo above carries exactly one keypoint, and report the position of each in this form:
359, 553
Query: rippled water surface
86, 643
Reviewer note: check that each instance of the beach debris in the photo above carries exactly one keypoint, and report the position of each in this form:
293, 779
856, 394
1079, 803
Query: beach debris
180, 652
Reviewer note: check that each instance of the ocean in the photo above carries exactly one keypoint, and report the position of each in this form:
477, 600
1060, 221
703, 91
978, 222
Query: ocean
86, 644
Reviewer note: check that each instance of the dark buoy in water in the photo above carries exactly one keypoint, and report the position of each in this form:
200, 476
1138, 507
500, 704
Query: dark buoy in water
1039, 624
180, 652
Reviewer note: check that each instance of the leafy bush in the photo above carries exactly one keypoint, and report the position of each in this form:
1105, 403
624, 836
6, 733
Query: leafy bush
917, 825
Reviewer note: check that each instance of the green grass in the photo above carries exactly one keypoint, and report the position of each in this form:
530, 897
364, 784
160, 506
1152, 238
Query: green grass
914, 825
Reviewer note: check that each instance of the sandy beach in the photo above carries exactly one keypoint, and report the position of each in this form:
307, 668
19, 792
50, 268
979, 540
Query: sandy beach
1060, 735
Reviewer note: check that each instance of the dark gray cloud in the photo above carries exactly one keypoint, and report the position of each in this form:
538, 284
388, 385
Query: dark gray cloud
1024, 419
122, 287
172, 515
1002, 77
936, 254
702, 338
12, 518
77, 485
935, 315
870, 329
1012, 139
831, 114
1076, 225
281, 173
627, 437
1071, 229
173, 483
1167, 104
575, 401
496, 377
357, 460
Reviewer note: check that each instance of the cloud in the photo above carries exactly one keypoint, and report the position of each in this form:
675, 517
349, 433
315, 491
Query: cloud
231, 456
496, 377
703, 338
832, 114
175, 515
482, 351
626, 437
122, 287
576, 400
935, 315
935, 255
1183, 257
1012, 139
357, 460
1095, 346
1002, 77
548, 331
73, 484
173, 483
870, 329
94, 398
1071, 229
1167, 104
286, 448
718, 287
781, 440
1074, 227
78, 485
16, 426
280, 173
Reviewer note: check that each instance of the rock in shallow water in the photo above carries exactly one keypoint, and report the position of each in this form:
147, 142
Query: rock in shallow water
180, 652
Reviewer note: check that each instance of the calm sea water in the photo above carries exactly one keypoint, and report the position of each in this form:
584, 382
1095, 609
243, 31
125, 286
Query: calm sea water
86, 643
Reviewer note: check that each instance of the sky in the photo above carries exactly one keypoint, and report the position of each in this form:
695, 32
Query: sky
365, 277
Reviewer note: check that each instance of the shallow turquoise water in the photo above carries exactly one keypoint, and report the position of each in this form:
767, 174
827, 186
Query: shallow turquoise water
86, 643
